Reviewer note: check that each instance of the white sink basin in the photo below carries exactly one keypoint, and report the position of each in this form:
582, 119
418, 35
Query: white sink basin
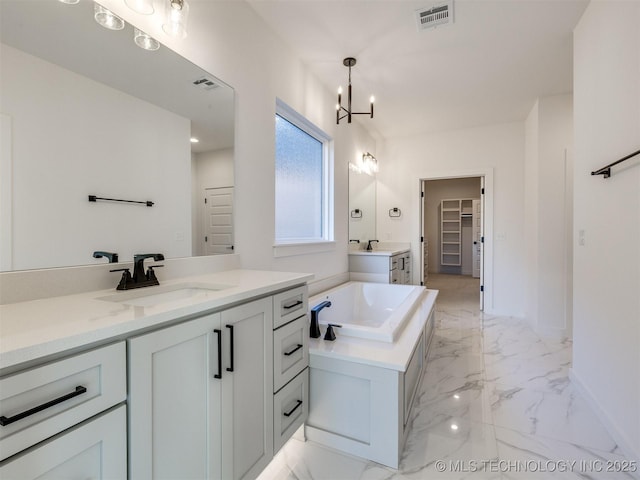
153, 296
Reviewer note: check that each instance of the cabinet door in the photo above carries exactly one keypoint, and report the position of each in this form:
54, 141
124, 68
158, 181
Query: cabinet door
247, 389
174, 402
96, 449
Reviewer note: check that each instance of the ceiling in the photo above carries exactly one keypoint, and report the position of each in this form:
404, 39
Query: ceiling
488, 67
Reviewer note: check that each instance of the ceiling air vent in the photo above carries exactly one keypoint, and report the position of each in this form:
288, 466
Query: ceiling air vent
205, 83
438, 14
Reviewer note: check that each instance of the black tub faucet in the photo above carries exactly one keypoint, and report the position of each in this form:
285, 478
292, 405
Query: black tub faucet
314, 330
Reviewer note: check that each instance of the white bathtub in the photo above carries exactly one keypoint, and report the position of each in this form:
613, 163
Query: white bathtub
374, 311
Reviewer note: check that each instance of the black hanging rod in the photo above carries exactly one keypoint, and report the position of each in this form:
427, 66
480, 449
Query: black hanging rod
93, 198
606, 171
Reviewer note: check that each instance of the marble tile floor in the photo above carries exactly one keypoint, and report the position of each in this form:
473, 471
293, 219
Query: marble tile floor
496, 402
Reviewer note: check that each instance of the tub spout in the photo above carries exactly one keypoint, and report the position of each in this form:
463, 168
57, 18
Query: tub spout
314, 331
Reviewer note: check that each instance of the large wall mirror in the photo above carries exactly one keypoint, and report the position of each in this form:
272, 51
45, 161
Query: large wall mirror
85, 111
362, 205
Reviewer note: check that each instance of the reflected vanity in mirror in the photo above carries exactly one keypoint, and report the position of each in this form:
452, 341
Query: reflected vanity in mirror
85, 111
362, 203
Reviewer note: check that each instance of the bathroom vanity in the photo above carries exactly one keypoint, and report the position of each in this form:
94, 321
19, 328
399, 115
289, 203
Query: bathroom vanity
202, 377
381, 265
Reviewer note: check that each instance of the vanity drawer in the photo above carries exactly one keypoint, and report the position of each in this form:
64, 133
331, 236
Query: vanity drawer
290, 351
40, 402
289, 305
290, 409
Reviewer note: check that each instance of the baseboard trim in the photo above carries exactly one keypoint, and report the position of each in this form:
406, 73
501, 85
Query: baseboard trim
619, 437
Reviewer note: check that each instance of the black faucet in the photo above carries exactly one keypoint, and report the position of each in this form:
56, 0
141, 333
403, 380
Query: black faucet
369, 247
139, 278
112, 257
314, 330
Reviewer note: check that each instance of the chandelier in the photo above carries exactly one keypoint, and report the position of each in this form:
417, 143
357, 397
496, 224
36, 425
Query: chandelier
346, 112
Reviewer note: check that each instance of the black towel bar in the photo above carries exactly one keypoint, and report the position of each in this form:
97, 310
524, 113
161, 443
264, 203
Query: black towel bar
606, 171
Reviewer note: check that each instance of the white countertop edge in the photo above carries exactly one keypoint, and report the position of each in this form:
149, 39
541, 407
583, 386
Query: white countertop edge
394, 356
41, 346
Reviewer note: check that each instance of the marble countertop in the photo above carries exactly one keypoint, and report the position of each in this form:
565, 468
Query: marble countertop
41, 328
394, 356
380, 253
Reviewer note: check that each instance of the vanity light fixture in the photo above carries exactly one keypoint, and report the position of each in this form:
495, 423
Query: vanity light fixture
369, 163
176, 15
107, 18
145, 41
144, 7
350, 62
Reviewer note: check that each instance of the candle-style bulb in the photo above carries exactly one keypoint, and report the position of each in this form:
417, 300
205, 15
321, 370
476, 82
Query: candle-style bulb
372, 99
340, 90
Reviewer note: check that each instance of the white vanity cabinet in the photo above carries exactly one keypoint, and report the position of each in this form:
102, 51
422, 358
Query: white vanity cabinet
200, 398
381, 266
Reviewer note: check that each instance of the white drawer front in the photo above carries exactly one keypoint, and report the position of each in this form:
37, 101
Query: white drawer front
289, 305
290, 409
82, 386
290, 351
96, 450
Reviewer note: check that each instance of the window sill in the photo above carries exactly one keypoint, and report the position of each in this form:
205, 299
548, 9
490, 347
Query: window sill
292, 249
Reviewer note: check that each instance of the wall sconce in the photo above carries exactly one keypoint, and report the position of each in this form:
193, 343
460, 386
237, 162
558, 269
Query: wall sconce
107, 18
144, 7
349, 62
176, 15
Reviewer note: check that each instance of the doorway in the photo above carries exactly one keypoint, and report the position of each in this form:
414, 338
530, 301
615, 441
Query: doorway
218, 221
452, 230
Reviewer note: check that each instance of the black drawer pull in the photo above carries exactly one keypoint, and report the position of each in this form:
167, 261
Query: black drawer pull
289, 307
4, 421
219, 333
293, 351
289, 413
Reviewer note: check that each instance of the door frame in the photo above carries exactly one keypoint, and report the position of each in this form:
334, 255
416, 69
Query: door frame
486, 270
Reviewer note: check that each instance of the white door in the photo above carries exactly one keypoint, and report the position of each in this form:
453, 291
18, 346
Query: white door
218, 220
477, 237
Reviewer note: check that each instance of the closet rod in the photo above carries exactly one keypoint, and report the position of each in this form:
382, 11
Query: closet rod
606, 171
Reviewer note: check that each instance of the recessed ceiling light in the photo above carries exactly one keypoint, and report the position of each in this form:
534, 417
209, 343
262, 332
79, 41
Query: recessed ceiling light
70, 2
194, 140
454, 427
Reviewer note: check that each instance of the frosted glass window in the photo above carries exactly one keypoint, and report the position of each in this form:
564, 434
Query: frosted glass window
301, 181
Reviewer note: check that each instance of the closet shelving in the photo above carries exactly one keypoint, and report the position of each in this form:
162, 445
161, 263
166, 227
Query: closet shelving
452, 214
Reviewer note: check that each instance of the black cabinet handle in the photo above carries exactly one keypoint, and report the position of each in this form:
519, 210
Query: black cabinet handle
4, 421
288, 414
293, 351
219, 333
288, 307
230, 327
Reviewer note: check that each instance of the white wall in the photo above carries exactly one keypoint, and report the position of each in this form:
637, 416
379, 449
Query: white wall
114, 154
495, 148
548, 207
607, 267
435, 192
229, 40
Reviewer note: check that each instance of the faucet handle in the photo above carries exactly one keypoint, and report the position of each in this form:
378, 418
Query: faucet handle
151, 275
330, 334
125, 280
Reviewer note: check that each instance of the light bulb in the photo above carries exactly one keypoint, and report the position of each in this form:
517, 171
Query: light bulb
107, 18
144, 7
372, 99
176, 15
145, 41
